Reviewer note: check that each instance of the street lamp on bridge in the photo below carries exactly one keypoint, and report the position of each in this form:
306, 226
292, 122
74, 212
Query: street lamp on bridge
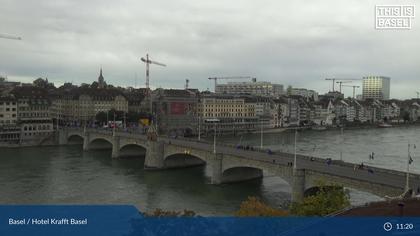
214, 121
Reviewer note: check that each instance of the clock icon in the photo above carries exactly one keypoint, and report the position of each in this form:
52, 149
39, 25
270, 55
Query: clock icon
387, 226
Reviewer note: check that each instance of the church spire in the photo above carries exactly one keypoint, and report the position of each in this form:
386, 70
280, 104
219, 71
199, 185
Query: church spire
101, 81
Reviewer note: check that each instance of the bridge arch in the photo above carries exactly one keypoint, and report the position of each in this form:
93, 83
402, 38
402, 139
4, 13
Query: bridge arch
100, 143
177, 160
132, 149
243, 173
257, 169
125, 145
75, 138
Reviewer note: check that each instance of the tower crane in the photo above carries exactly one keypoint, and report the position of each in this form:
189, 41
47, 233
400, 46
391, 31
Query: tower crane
230, 77
341, 83
187, 81
6, 36
147, 61
338, 79
418, 93
354, 88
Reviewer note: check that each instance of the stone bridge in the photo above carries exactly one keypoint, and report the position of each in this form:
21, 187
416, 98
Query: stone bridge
233, 165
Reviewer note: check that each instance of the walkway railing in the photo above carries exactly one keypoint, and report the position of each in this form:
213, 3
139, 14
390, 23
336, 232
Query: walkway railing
263, 154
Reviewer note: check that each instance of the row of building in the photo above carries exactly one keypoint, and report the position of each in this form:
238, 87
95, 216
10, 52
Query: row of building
374, 87
31, 112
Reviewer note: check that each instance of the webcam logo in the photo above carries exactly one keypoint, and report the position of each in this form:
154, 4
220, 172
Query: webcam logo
394, 16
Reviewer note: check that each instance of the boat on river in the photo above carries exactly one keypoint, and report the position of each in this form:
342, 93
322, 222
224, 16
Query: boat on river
384, 125
319, 128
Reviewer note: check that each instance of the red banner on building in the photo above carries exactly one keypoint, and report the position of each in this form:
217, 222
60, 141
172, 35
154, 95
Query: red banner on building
178, 108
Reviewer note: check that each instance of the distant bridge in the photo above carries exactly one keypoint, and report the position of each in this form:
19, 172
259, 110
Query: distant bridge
233, 165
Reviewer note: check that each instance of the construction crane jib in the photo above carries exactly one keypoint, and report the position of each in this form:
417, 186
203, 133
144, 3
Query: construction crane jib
339, 81
354, 89
6, 36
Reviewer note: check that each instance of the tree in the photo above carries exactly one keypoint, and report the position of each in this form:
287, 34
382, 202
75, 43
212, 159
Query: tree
94, 85
327, 200
163, 213
40, 83
406, 116
68, 86
254, 207
101, 117
289, 90
84, 85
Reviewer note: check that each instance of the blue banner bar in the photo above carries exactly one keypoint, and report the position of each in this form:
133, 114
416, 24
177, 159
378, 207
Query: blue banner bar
67, 220
128, 221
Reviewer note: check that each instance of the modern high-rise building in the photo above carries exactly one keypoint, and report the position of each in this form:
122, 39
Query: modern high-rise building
376, 87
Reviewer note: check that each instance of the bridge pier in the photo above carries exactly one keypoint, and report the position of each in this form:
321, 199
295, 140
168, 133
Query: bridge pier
62, 137
86, 142
298, 185
154, 155
216, 167
115, 147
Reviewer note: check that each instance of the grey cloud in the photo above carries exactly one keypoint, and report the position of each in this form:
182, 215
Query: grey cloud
290, 42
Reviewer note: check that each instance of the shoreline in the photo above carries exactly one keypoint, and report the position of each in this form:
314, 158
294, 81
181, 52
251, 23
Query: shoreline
375, 126
266, 131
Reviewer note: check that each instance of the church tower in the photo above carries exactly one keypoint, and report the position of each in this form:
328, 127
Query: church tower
101, 81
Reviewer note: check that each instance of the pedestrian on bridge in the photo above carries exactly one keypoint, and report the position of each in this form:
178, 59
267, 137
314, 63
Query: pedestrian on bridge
372, 156
329, 161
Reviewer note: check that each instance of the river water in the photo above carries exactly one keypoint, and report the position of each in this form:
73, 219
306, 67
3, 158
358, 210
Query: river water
67, 175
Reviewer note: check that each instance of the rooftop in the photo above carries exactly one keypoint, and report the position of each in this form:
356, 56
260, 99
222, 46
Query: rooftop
407, 207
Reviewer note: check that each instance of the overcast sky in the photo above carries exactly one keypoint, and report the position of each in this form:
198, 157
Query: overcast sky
293, 42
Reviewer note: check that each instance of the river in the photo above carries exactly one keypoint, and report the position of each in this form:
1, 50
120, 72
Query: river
67, 175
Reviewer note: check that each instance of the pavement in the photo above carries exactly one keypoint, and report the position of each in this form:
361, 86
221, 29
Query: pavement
332, 167
338, 168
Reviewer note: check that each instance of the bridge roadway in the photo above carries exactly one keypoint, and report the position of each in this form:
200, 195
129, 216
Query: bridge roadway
231, 164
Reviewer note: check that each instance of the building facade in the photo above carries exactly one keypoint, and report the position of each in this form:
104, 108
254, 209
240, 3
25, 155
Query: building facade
8, 111
234, 113
306, 93
376, 87
259, 88
79, 105
9, 130
25, 116
175, 111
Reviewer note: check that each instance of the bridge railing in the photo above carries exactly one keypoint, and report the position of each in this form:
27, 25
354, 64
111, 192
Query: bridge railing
142, 136
277, 154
